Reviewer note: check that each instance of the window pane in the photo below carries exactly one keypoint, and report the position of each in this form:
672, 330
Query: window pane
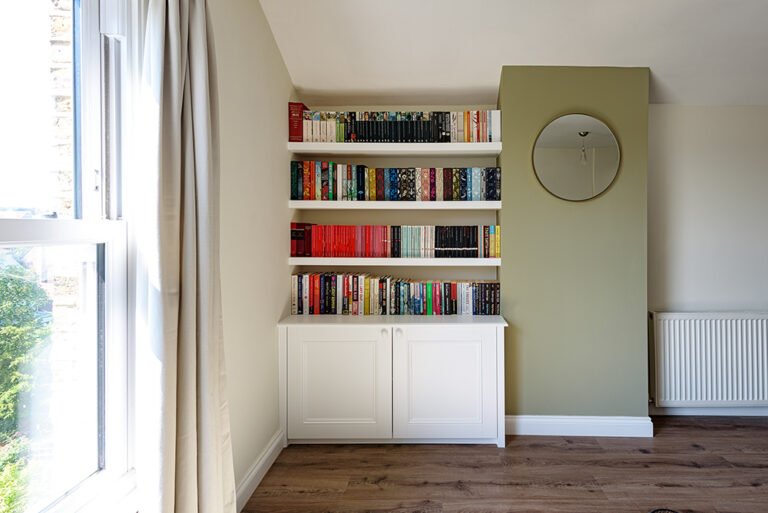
37, 99
49, 372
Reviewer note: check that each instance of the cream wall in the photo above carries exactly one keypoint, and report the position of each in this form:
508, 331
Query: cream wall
254, 90
707, 207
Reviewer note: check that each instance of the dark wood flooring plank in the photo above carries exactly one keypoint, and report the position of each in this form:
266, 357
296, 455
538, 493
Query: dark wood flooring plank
693, 464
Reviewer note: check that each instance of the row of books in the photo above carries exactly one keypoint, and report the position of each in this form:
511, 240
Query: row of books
392, 126
382, 241
320, 180
360, 294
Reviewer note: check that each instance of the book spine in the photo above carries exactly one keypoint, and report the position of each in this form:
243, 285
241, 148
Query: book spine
496, 115
294, 180
380, 182
463, 184
456, 185
324, 181
296, 121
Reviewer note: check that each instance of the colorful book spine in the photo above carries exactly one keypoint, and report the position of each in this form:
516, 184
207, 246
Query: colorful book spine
405, 126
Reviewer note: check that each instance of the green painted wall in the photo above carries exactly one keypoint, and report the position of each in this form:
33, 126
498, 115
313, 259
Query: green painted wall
574, 274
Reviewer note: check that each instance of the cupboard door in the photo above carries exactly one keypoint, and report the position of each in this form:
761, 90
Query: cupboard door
339, 382
444, 382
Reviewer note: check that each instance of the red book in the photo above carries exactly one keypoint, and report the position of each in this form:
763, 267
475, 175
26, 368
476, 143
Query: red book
316, 293
311, 294
307, 240
296, 121
432, 185
447, 184
453, 297
437, 296
379, 184
294, 238
312, 174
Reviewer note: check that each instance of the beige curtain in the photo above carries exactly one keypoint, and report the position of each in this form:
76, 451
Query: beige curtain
183, 448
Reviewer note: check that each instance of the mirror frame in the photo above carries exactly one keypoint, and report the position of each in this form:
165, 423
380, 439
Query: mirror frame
618, 147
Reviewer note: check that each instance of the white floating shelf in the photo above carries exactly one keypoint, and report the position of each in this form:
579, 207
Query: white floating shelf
394, 205
489, 149
389, 320
399, 262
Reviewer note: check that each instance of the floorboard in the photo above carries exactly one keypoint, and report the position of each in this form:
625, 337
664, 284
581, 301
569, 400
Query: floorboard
693, 464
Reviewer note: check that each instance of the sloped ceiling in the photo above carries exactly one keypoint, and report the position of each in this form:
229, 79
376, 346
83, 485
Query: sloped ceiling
449, 51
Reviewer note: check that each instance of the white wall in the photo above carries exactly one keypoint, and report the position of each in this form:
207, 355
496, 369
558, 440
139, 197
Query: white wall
707, 208
254, 90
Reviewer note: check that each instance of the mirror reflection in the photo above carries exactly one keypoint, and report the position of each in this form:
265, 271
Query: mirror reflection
576, 157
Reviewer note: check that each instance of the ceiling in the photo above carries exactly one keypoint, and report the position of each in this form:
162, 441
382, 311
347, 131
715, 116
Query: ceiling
451, 51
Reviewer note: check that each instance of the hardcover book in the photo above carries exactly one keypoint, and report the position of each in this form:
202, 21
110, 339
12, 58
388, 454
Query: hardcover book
296, 121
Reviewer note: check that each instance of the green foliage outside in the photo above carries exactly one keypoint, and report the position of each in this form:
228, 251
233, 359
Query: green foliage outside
24, 327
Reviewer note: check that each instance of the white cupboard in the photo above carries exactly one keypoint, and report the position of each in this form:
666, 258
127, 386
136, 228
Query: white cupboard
340, 382
444, 382
392, 379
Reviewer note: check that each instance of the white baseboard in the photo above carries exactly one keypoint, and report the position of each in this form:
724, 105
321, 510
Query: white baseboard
729, 411
257, 471
577, 425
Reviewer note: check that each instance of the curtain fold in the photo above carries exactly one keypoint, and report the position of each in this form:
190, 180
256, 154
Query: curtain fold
184, 453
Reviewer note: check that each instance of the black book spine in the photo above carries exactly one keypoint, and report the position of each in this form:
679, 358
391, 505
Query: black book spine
411, 174
463, 184
360, 183
352, 126
408, 127
334, 292
299, 295
294, 181
490, 179
419, 127
322, 294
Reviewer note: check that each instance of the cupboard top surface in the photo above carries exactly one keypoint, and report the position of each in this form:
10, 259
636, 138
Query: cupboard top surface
393, 320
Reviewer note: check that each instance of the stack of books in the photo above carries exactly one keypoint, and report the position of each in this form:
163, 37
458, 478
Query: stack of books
393, 126
383, 241
320, 180
361, 294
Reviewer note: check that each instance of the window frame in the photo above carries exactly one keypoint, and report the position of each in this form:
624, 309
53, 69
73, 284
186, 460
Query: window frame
97, 208
115, 479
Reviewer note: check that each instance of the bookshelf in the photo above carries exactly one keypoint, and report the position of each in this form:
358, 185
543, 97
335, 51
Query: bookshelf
316, 351
414, 213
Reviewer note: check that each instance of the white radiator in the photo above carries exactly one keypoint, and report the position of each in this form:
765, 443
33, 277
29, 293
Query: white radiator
711, 359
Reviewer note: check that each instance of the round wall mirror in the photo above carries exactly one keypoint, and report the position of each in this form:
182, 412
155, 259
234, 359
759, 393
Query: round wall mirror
576, 157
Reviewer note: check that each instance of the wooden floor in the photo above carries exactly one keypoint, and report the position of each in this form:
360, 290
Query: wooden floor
702, 464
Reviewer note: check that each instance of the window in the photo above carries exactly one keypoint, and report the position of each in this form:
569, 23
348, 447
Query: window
64, 354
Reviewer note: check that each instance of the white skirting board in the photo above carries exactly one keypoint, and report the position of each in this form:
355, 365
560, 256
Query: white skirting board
730, 411
260, 467
577, 425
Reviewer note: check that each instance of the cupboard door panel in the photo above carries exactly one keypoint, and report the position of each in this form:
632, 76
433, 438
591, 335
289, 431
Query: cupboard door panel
339, 382
444, 382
